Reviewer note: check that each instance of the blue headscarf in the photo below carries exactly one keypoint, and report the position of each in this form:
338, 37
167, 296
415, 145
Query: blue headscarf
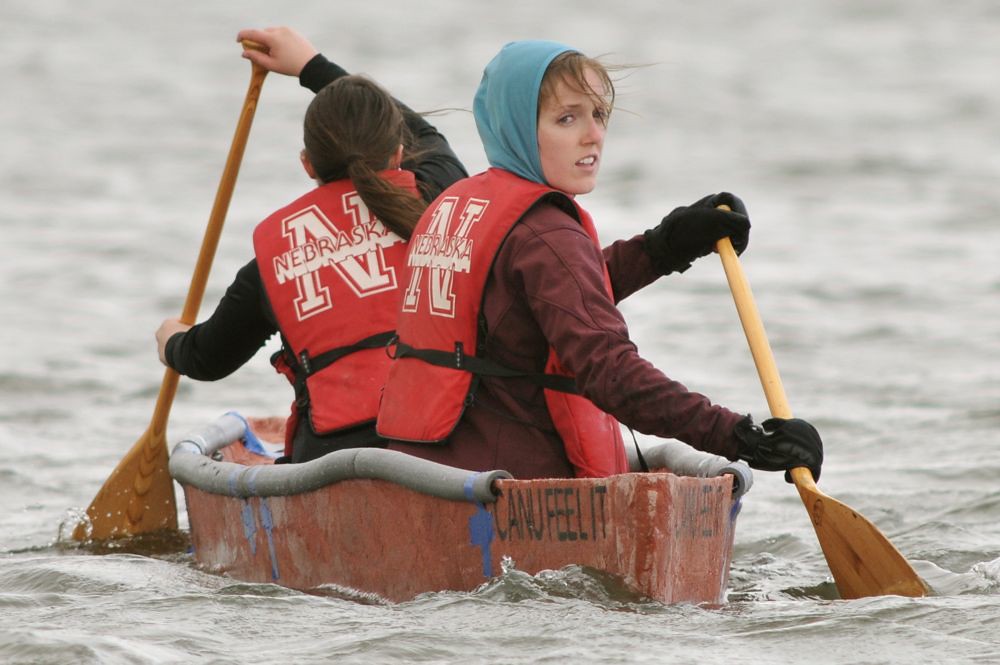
506, 106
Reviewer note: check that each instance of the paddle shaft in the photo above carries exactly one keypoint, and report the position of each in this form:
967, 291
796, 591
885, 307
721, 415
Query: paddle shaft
753, 327
760, 348
210, 242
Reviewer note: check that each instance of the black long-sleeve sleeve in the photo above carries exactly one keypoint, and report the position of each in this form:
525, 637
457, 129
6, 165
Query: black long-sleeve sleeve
320, 72
240, 325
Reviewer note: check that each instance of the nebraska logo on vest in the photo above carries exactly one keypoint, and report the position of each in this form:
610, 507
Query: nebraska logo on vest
355, 255
329, 269
440, 254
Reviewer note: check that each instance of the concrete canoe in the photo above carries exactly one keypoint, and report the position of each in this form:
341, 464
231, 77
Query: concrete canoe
664, 536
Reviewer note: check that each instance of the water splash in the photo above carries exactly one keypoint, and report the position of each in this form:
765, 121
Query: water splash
74, 518
571, 582
989, 571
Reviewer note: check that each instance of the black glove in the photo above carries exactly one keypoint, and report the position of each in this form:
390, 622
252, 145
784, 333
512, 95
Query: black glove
691, 232
779, 445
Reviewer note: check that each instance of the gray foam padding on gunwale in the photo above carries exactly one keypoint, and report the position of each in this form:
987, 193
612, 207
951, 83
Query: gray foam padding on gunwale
191, 464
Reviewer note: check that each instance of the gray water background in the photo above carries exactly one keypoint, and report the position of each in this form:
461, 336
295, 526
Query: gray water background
864, 137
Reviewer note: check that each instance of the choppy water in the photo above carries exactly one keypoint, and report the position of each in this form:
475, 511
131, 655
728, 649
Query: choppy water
865, 138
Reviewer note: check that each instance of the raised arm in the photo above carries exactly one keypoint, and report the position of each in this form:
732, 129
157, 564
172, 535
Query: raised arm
290, 53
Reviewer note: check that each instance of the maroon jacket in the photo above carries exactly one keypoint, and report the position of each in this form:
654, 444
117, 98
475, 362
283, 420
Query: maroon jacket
546, 288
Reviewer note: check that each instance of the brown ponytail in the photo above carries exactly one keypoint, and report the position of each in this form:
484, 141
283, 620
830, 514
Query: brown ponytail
352, 129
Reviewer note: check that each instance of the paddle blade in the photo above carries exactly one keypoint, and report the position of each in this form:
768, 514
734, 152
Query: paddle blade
138, 496
862, 560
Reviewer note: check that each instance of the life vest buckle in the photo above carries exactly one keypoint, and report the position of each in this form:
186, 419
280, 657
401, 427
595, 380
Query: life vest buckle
390, 351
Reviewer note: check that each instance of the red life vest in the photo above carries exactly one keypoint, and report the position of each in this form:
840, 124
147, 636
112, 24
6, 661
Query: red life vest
331, 272
438, 357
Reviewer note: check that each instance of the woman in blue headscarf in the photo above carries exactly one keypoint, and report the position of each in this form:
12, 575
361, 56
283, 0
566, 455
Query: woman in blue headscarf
512, 353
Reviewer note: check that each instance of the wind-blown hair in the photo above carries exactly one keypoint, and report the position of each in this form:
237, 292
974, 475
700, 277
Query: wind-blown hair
572, 67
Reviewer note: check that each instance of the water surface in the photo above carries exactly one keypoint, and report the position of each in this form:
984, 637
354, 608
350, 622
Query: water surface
865, 139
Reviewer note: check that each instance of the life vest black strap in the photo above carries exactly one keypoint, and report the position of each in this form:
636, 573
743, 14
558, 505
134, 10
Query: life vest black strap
305, 365
458, 359
309, 365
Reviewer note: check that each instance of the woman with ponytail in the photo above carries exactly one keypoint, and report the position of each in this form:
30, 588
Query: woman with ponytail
327, 268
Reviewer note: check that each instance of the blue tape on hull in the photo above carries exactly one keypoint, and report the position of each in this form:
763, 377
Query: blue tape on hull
268, 523
480, 528
249, 526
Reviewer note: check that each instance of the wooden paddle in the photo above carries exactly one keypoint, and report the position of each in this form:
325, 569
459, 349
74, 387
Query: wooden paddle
138, 496
861, 558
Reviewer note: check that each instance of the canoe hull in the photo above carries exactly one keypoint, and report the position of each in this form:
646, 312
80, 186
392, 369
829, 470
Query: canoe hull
666, 537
